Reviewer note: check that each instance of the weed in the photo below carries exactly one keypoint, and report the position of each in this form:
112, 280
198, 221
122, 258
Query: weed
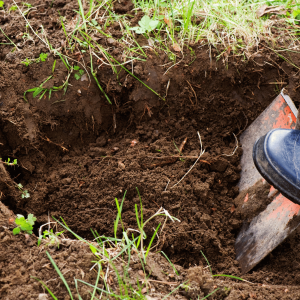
43, 56
41, 90
27, 4
1, 4
50, 237
146, 25
108, 251
79, 72
13, 8
180, 153
25, 193
26, 62
25, 225
8, 163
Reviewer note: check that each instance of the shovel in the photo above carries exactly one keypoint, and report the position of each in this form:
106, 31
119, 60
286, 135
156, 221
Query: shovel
282, 216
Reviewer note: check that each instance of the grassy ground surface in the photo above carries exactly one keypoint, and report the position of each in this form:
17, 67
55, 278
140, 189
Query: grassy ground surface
234, 28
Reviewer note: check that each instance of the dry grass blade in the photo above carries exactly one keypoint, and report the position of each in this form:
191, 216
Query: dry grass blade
201, 153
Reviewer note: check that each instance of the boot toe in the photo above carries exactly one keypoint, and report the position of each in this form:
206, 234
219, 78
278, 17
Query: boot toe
277, 157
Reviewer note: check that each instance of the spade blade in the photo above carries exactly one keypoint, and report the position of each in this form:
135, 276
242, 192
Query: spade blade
266, 231
271, 226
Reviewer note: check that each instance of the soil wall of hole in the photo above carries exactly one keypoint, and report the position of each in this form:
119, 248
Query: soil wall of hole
76, 155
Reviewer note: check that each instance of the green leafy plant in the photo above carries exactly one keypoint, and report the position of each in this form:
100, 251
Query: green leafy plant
51, 237
1, 4
26, 62
25, 225
27, 4
25, 193
43, 56
146, 25
7, 162
79, 72
13, 8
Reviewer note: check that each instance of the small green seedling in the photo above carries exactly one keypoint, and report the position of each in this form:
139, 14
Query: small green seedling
25, 225
51, 237
27, 4
79, 72
13, 8
26, 62
146, 25
1, 4
7, 162
25, 193
43, 56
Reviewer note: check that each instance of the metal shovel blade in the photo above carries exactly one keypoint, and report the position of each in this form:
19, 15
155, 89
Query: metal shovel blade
267, 230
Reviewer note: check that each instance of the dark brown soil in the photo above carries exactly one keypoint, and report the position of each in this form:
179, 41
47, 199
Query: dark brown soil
76, 154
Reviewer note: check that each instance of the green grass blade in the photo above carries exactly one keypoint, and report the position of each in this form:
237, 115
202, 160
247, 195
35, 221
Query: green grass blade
46, 287
104, 291
60, 274
76, 286
137, 216
207, 262
82, 14
170, 262
141, 206
97, 280
119, 218
53, 67
153, 236
173, 290
99, 86
230, 276
210, 294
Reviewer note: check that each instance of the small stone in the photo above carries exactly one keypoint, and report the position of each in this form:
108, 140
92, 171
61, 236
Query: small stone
66, 180
111, 41
121, 165
43, 297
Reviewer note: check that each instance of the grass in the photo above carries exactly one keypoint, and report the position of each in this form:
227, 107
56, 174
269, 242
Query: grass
169, 26
110, 252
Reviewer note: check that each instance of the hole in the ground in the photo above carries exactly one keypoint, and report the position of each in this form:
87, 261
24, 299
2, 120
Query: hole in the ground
12, 205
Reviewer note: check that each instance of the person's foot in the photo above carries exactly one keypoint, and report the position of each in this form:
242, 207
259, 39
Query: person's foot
277, 158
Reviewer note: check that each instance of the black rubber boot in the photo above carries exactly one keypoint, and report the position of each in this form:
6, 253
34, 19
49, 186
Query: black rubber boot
277, 158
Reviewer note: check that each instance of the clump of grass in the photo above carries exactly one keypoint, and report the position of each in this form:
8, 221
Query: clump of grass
111, 251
